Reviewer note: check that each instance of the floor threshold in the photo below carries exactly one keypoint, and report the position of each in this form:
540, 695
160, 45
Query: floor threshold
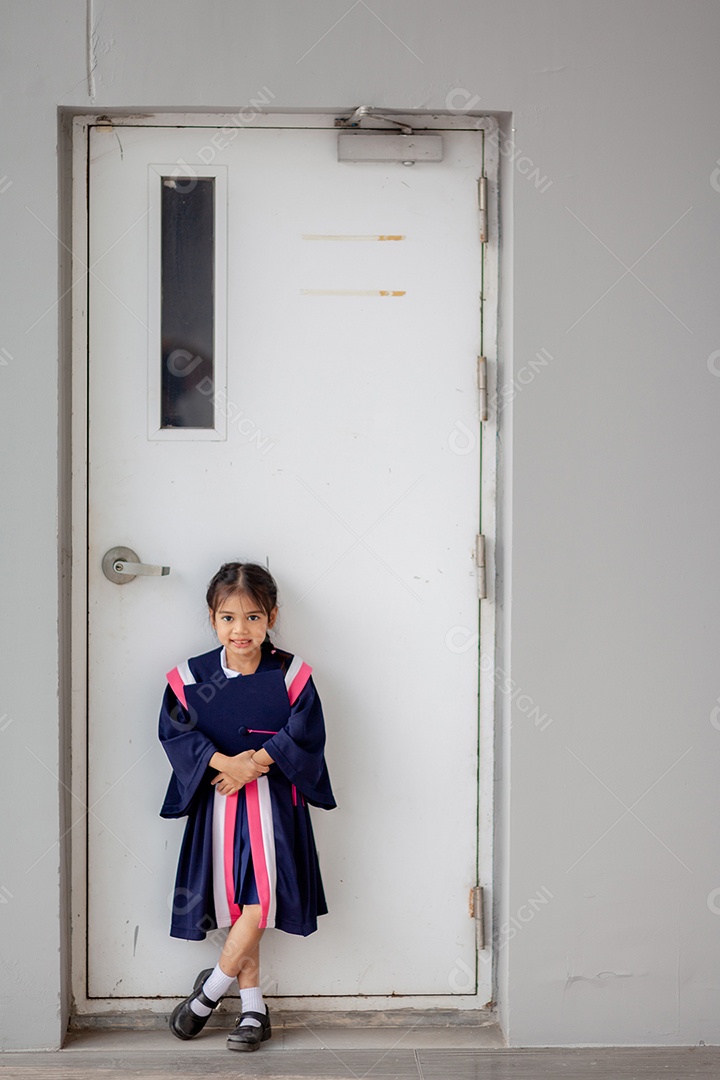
333, 1054
305, 1019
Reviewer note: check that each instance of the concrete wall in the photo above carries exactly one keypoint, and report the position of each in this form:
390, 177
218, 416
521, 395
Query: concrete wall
608, 876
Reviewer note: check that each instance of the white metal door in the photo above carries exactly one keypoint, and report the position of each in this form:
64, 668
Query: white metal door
332, 461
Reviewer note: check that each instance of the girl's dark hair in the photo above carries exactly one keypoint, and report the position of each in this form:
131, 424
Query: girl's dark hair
249, 578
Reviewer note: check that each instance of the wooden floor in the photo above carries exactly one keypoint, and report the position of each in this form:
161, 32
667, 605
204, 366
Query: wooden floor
359, 1054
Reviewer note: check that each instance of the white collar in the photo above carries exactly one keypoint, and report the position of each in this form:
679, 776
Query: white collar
227, 672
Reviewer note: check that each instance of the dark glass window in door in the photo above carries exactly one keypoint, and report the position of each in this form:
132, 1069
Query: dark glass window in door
188, 302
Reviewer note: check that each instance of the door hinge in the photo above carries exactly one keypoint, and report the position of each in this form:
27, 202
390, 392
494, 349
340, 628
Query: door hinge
482, 208
477, 913
482, 387
480, 563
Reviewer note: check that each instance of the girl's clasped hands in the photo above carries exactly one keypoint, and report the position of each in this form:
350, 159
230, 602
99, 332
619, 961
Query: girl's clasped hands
235, 772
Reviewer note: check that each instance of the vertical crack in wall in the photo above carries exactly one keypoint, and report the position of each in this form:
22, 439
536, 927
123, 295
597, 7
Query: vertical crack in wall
90, 58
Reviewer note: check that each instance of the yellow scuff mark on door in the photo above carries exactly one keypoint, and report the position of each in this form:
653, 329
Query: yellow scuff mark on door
353, 292
340, 236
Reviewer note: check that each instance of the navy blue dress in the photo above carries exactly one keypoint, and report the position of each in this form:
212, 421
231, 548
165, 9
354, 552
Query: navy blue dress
256, 846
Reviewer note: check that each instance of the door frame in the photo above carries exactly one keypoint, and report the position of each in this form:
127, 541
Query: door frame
482, 640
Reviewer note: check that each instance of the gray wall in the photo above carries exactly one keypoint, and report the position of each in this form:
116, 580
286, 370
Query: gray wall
609, 923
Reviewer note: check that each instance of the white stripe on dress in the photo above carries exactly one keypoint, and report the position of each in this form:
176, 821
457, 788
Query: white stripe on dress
222, 911
268, 832
186, 674
292, 671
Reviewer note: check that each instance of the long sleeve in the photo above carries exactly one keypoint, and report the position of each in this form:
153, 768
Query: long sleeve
298, 749
189, 752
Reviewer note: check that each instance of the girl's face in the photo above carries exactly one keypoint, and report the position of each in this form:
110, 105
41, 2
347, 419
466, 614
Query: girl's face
241, 626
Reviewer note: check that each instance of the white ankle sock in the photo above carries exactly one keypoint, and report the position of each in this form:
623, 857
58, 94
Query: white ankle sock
216, 984
252, 1001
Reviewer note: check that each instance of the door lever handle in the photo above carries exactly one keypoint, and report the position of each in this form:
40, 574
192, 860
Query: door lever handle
121, 565
134, 568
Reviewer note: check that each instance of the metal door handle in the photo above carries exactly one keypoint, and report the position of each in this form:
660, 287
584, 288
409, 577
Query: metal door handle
134, 568
121, 565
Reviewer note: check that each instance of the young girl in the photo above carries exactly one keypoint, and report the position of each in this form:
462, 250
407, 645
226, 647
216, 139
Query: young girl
243, 728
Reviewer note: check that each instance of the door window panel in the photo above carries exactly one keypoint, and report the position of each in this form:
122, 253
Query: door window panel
188, 303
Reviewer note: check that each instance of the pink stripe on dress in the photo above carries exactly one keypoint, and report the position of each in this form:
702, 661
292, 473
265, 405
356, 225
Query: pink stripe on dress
177, 686
299, 682
231, 802
258, 851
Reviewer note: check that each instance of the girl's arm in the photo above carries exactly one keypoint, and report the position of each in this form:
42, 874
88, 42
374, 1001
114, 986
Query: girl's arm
261, 757
189, 753
241, 765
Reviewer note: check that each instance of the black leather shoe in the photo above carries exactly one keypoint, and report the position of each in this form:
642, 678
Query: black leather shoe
248, 1036
184, 1022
